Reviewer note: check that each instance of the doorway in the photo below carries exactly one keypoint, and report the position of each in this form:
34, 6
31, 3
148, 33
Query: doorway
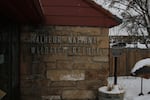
9, 61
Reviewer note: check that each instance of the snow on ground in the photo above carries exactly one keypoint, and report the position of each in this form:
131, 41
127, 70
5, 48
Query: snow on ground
132, 87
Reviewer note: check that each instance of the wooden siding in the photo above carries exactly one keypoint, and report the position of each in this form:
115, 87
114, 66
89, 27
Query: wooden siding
127, 60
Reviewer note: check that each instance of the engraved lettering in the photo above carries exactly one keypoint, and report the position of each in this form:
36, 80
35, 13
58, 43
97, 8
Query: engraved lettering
45, 43
74, 40
32, 50
70, 40
33, 37
74, 50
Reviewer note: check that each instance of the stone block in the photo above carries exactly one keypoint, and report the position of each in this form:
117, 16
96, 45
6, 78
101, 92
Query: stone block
53, 97
78, 95
85, 66
25, 68
72, 72
96, 74
103, 42
28, 97
101, 59
51, 90
38, 68
91, 84
68, 75
31, 91
26, 83
54, 58
41, 83
63, 84
48, 58
50, 65
82, 59
25, 37
78, 29
64, 64
104, 31
104, 52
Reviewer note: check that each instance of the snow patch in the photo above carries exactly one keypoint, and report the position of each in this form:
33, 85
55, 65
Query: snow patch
140, 64
132, 87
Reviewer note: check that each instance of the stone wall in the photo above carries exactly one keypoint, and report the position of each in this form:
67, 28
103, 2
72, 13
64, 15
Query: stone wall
63, 62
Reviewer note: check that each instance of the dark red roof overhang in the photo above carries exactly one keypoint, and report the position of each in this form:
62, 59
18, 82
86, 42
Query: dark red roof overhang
77, 13
21, 11
57, 12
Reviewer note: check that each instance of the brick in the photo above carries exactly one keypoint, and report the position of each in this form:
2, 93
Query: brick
78, 95
68, 75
